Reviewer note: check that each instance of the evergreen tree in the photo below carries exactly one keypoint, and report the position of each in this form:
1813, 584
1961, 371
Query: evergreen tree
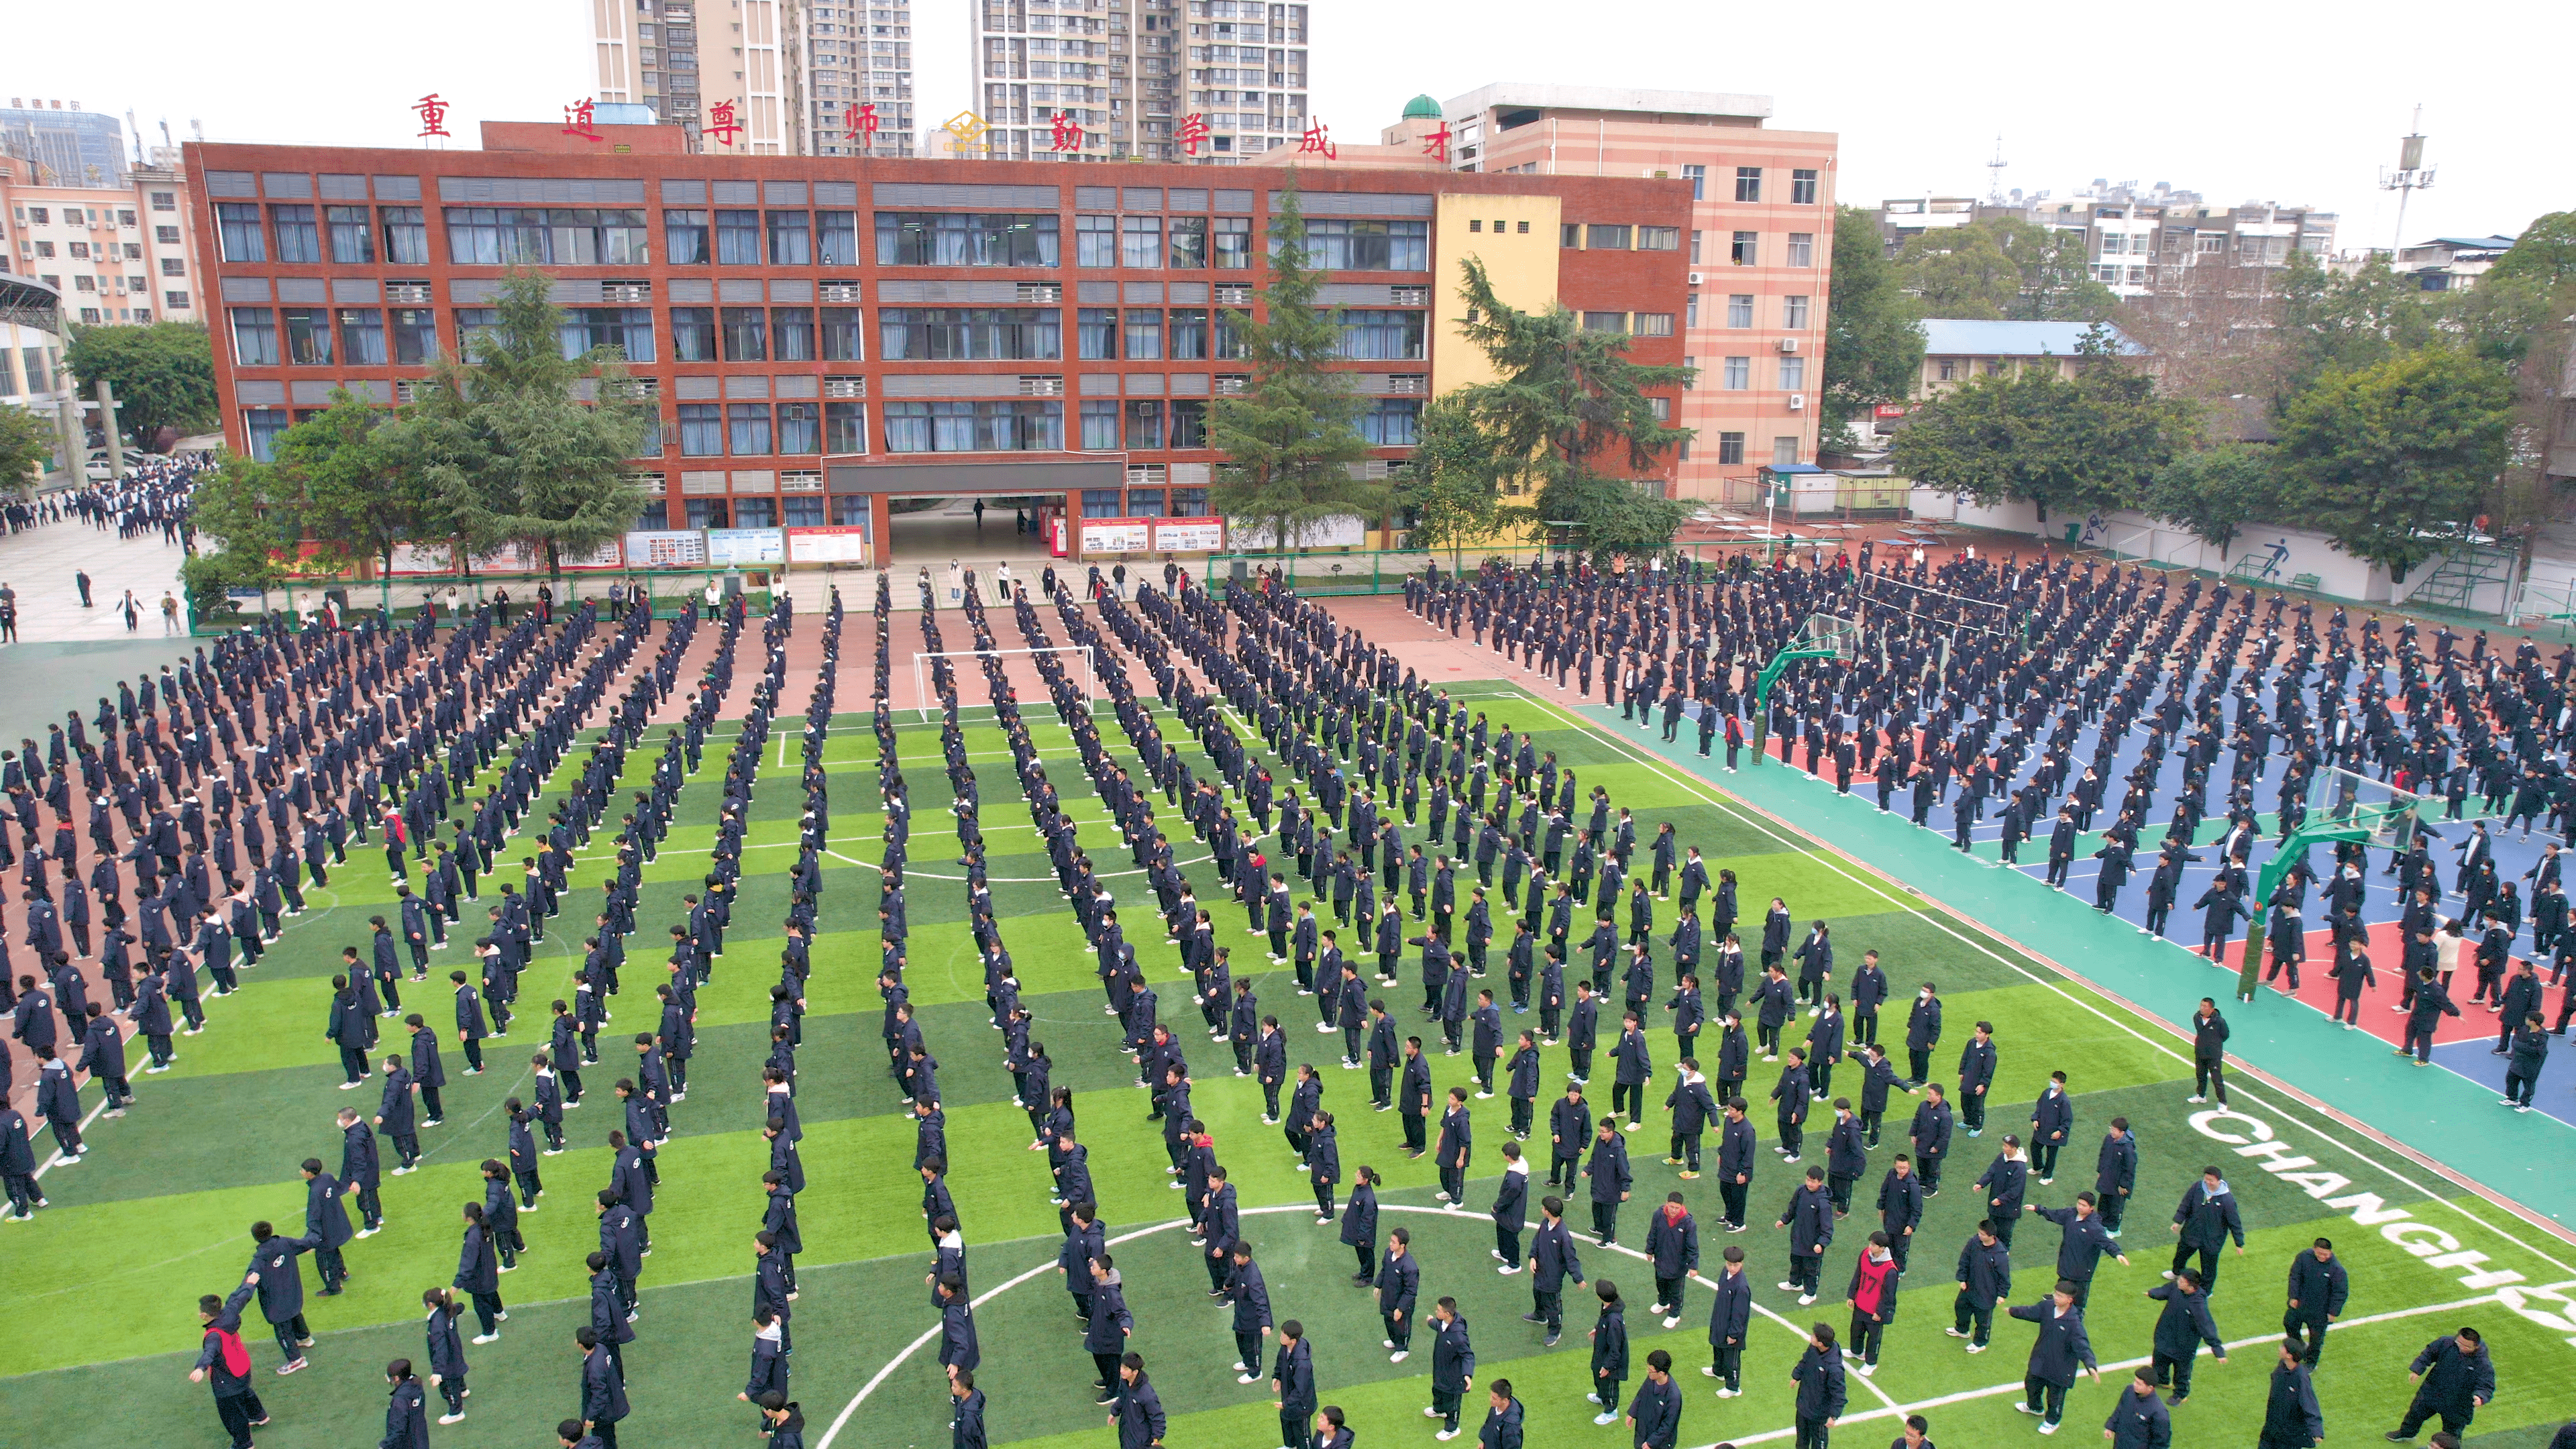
1565, 404
513, 453
1290, 439
1873, 344
339, 483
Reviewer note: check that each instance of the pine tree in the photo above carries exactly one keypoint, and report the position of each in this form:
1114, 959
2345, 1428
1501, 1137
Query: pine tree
516, 456
1290, 439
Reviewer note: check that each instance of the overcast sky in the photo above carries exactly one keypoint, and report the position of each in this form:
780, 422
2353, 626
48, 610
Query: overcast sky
2241, 103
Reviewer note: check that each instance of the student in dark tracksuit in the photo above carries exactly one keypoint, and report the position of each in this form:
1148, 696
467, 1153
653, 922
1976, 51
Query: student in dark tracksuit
478, 1272
2182, 1327
446, 1350
406, 1421
603, 1391
223, 1363
2454, 1377
326, 1221
2057, 1354
2317, 1292
281, 1291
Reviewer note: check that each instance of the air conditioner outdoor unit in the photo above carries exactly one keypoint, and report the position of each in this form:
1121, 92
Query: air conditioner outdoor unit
1695, 278
1788, 344
1797, 402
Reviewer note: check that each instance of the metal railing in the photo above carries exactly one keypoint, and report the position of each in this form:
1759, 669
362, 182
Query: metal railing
404, 598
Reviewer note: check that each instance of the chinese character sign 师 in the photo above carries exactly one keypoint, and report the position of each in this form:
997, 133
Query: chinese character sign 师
1319, 139
860, 122
721, 123
433, 114
1193, 133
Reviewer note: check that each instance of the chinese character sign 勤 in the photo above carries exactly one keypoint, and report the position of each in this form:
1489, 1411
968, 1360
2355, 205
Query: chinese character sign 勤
433, 114
1065, 134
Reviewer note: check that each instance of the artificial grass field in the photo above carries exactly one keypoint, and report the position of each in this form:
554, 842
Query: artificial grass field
102, 1287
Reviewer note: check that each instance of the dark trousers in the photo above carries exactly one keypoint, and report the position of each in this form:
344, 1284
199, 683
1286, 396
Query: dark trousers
237, 1411
1977, 1323
1605, 1221
1918, 1065
2309, 1330
290, 1337
1444, 1402
2043, 1160
1568, 1168
2206, 1270
2046, 1399
1296, 1429
333, 1268
488, 1310
1398, 1331
353, 1064
22, 1194
1686, 1147
1812, 1433
2175, 1372
1862, 1341
1107, 1363
2209, 1078
1507, 1241
1729, 1363
452, 1388
429, 1104
2114, 1205
371, 1207
2420, 1411
1733, 1195
473, 1054
1805, 1270
1668, 1292
1414, 1135
1972, 1110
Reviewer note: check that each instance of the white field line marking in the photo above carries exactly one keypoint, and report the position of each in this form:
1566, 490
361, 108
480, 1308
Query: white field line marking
1819, 851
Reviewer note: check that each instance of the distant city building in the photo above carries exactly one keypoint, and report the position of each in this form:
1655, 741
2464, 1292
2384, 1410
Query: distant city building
115, 253
2450, 263
69, 146
2138, 241
1759, 246
778, 78
32, 375
1213, 81
1957, 351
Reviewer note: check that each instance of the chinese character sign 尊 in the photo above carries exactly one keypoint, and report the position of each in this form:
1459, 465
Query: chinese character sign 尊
721, 123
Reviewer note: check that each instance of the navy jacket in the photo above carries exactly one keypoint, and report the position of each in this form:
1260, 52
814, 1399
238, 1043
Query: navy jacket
1820, 1383
1732, 1317
1986, 1272
2061, 1350
2185, 1324
2454, 1383
406, 1422
1810, 1220
1453, 1357
2140, 1421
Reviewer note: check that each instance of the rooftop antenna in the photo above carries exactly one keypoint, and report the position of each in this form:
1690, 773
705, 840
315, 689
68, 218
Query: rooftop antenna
1995, 174
134, 129
2411, 176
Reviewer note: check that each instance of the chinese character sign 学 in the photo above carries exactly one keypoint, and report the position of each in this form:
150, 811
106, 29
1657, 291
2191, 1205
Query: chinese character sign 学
1193, 133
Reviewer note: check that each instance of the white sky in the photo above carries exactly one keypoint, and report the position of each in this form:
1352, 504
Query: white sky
2289, 104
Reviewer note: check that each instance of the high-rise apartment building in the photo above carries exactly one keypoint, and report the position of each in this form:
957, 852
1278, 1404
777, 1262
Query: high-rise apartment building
67, 145
1760, 245
1160, 80
857, 67
2139, 241
727, 72
121, 251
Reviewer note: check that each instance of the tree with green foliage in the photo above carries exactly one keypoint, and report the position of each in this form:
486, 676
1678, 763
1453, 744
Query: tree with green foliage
2545, 253
342, 482
1454, 488
1564, 404
2214, 492
27, 444
2332, 321
1873, 338
510, 452
2001, 268
2389, 459
2075, 445
1291, 437
163, 374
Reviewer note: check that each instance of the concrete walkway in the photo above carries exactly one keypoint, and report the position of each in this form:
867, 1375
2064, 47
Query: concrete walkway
41, 562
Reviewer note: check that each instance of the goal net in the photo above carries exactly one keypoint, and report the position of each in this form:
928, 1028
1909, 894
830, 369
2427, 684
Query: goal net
1027, 679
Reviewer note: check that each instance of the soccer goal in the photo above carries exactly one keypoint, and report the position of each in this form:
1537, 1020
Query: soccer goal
966, 661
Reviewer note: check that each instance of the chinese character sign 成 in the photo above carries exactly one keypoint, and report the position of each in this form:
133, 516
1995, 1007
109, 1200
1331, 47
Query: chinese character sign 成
1319, 139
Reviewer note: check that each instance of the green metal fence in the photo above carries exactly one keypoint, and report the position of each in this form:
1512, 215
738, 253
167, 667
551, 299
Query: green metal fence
1383, 571
404, 598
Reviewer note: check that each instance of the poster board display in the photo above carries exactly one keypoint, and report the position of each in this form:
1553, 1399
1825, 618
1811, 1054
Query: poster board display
841, 544
730, 547
666, 548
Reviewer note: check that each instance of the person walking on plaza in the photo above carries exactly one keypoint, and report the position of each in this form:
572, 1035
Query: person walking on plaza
2181, 1329
2203, 1224
2291, 1419
80, 581
223, 1363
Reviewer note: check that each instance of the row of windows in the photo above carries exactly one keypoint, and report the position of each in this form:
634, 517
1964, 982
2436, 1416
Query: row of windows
79, 216
408, 336
1145, 503
1794, 311
1744, 248
1735, 374
106, 251
489, 236
764, 430
1748, 184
